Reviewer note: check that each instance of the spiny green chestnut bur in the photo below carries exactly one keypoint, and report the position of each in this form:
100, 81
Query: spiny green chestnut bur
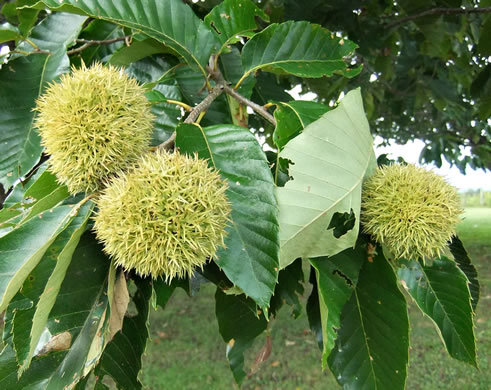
412, 211
92, 123
165, 216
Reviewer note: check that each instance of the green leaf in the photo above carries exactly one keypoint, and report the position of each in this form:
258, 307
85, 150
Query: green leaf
293, 117
441, 292
299, 48
27, 17
270, 88
21, 82
337, 277
484, 46
42, 286
239, 324
138, 50
150, 70
464, 263
329, 162
7, 34
22, 249
9, 13
166, 114
17, 193
41, 195
289, 289
122, 357
250, 259
100, 30
232, 70
171, 22
71, 342
234, 18
313, 310
191, 85
371, 350
163, 291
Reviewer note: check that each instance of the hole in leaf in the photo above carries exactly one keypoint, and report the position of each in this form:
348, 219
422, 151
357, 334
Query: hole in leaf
343, 276
342, 223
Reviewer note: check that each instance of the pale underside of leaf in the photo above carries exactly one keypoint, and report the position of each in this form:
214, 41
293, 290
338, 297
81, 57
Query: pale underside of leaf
329, 159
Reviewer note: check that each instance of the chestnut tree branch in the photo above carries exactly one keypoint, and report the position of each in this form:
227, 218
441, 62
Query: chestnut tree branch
194, 114
87, 43
221, 87
256, 107
439, 11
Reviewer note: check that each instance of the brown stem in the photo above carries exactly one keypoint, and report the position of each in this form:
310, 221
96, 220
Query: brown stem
256, 107
439, 11
87, 43
194, 114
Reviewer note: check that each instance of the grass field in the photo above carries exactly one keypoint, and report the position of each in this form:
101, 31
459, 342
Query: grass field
186, 351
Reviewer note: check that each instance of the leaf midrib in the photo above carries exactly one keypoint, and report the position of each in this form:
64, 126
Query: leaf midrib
430, 287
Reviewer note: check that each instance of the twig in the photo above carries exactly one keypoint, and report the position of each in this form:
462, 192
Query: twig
195, 112
87, 43
439, 11
218, 77
256, 107
187, 107
26, 53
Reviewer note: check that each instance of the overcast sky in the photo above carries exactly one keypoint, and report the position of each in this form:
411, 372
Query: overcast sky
410, 152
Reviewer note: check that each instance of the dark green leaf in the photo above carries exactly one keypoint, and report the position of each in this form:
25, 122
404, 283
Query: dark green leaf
270, 87
337, 277
371, 350
21, 82
100, 30
289, 288
150, 70
138, 50
163, 290
484, 46
293, 117
35, 377
313, 310
78, 321
464, 262
122, 357
441, 292
250, 259
166, 114
234, 18
8, 11
169, 21
232, 71
193, 91
299, 48
239, 323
